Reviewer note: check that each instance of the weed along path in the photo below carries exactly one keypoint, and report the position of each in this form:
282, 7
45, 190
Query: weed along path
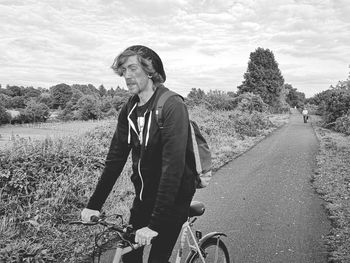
265, 203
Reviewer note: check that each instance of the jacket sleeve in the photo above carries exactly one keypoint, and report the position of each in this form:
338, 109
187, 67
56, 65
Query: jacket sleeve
114, 164
174, 141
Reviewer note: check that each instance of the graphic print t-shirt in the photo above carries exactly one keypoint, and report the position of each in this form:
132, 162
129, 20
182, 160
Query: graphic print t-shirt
140, 111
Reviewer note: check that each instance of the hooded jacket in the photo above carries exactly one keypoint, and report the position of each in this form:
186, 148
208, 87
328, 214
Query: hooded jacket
162, 173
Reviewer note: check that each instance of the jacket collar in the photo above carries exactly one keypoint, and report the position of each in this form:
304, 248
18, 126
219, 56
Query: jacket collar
132, 117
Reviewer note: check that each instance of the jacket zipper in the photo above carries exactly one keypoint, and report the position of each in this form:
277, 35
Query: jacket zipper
140, 136
139, 169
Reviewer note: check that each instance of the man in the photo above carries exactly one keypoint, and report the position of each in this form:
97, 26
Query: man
162, 175
305, 115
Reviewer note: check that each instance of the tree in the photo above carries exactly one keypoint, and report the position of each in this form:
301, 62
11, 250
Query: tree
111, 92
76, 95
36, 112
88, 107
4, 116
60, 94
14, 90
102, 90
86, 89
30, 92
263, 77
67, 113
18, 102
106, 104
294, 97
196, 95
118, 101
45, 98
5, 100
333, 103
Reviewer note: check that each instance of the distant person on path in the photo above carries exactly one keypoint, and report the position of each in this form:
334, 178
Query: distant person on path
163, 179
305, 115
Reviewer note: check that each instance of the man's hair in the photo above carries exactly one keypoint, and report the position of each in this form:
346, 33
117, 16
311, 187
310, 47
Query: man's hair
148, 60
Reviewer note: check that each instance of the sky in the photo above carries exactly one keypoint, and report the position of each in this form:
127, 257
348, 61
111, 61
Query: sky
203, 44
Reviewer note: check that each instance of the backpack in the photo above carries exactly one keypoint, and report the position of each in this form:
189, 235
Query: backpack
199, 147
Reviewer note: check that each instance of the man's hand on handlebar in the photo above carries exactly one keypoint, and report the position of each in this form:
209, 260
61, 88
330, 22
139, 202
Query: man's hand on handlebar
144, 236
87, 213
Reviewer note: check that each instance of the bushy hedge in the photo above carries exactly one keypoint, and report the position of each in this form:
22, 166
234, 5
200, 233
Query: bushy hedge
43, 184
334, 106
250, 124
342, 124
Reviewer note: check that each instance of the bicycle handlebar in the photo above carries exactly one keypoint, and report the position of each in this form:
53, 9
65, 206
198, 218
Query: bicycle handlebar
126, 232
126, 229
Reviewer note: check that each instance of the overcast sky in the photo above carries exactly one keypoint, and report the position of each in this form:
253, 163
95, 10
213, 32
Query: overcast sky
203, 44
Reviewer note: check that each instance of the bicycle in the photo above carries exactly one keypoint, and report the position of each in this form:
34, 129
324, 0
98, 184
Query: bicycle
205, 249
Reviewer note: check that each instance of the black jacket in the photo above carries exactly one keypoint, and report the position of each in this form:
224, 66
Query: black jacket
162, 175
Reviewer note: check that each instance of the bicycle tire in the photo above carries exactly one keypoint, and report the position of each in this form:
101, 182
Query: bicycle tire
208, 249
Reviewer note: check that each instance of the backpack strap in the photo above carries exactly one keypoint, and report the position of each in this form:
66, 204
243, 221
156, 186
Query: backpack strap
160, 104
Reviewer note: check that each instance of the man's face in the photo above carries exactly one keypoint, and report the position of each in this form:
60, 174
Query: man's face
136, 79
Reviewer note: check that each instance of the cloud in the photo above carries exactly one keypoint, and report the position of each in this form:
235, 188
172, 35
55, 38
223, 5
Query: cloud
202, 43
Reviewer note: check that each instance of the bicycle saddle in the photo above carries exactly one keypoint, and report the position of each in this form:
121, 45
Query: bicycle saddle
196, 209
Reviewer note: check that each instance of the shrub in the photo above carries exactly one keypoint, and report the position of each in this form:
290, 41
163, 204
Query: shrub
249, 102
118, 101
336, 105
213, 100
333, 103
112, 113
218, 100
250, 124
342, 124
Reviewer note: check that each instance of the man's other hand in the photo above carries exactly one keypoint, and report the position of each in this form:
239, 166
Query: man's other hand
144, 236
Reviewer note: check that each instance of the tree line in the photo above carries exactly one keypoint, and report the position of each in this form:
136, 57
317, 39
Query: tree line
75, 102
263, 88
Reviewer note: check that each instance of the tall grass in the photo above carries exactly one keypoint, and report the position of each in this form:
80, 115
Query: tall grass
332, 182
44, 184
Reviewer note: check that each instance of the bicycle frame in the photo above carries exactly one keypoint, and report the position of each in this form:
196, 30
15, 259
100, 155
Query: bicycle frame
197, 240
193, 242
186, 227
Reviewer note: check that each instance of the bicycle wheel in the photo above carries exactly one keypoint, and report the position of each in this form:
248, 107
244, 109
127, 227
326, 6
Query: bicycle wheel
213, 250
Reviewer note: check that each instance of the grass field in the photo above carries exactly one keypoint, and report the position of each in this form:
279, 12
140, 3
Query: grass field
8, 133
332, 183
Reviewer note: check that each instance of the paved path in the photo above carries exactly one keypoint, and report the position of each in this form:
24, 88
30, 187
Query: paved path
265, 203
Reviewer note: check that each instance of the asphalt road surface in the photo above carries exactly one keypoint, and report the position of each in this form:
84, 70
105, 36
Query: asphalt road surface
265, 203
